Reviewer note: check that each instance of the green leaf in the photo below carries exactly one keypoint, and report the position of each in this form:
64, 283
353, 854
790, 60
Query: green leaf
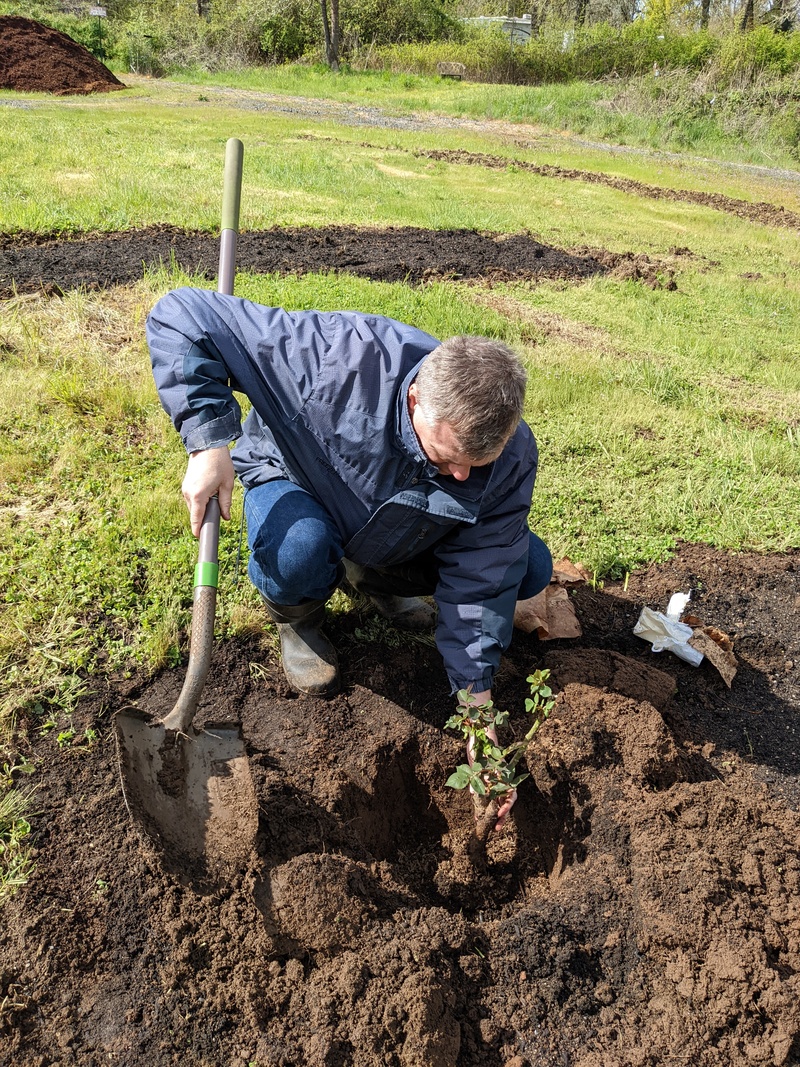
498, 788
460, 778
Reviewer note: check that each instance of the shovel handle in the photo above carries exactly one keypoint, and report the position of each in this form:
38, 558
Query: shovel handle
231, 199
207, 569
208, 546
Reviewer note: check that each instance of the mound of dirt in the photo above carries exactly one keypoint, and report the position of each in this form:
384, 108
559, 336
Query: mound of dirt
641, 910
37, 59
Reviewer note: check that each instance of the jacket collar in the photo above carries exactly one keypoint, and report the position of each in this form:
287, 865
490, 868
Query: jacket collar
405, 435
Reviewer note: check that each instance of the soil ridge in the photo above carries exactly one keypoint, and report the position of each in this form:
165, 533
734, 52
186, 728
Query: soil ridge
32, 262
753, 211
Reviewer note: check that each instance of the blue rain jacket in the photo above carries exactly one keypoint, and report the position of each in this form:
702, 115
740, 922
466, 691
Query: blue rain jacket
329, 412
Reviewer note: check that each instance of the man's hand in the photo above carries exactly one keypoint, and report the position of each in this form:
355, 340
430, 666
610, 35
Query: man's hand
208, 473
510, 798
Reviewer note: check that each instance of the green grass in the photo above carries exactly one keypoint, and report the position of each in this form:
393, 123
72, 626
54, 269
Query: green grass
660, 415
16, 862
122, 162
679, 111
151, 153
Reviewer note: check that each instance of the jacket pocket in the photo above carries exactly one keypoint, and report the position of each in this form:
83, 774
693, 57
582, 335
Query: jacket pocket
395, 533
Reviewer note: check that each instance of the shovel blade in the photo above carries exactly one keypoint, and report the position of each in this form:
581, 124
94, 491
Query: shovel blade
190, 793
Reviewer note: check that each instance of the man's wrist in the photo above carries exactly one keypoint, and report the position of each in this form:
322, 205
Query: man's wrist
209, 448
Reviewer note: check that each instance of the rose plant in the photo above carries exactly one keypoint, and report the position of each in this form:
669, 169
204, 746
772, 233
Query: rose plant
491, 771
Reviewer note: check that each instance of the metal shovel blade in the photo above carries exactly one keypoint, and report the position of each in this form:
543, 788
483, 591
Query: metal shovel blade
191, 794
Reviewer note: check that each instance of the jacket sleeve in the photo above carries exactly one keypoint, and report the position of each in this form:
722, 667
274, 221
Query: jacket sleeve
204, 344
187, 352
480, 570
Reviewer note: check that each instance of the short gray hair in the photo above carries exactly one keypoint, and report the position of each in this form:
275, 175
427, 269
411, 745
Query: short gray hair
476, 386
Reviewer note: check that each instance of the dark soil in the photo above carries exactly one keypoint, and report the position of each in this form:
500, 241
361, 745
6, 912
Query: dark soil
642, 908
31, 262
37, 59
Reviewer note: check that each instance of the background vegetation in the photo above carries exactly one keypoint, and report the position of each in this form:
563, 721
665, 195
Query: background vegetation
663, 72
565, 39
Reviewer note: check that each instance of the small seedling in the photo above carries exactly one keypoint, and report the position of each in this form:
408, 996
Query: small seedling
65, 737
487, 774
49, 724
492, 771
11, 768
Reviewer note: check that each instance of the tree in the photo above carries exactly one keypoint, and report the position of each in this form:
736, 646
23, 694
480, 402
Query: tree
748, 16
330, 28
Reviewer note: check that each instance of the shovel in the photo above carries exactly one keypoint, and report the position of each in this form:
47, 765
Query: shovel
190, 791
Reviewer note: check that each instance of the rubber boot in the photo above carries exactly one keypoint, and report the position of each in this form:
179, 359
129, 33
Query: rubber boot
309, 659
405, 612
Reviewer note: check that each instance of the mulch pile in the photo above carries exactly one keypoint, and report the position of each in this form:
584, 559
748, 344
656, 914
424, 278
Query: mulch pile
37, 59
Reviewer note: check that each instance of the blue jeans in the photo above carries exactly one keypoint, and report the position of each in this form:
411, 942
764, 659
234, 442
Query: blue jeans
296, 552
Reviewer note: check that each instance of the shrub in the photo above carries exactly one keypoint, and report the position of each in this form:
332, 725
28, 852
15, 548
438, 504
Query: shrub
561, 53
743, 56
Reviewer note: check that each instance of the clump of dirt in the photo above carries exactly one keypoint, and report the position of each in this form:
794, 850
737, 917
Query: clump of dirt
32, 262
38, 59
641, 909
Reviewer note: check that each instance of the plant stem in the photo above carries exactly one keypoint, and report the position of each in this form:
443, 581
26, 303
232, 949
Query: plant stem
522, 746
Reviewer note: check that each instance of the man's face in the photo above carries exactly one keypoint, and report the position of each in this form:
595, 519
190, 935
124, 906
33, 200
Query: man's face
440, 444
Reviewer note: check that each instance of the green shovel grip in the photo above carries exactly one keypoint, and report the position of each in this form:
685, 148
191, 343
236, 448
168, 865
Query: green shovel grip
206, 575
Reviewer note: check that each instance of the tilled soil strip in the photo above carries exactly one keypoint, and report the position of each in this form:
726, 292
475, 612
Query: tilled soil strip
758, 211
32, 262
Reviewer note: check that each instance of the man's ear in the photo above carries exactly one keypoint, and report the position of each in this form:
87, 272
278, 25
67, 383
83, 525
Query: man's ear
413, 399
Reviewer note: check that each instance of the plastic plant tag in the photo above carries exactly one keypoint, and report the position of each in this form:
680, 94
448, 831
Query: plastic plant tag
677, 605
667, 634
